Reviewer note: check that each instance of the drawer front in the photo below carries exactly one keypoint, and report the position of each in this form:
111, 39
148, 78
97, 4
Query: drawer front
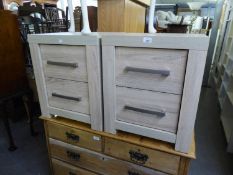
68, 95
146, 108
142, 156
65, 62
151, 69
96, 162
62, 168
75, 136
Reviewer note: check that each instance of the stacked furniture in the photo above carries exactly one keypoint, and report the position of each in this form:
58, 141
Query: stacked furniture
141, 84
222, 75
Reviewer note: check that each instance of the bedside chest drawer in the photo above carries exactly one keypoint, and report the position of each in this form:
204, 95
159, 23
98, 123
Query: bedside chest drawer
68, 95
62, 168
75, 136
96, 162
65, 62
161, 161
151, 69
146, 108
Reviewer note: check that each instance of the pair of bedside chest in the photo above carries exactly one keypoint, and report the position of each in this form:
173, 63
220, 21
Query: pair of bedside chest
144, 84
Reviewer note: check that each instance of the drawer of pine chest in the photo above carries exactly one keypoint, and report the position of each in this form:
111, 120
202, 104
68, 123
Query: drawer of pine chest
151, 69
75, 136
65, 62
62, 168
159, 160
96, 162
68, 95
147, 108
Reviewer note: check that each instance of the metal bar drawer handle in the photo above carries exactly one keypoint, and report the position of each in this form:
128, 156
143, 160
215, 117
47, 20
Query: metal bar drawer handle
72, 137
73, 65
148, 71
132, 173
66, 97
138, 157
73, 155
159, 113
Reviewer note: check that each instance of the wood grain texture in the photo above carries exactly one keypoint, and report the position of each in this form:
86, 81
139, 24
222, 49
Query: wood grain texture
190, 99
69, 89
95, 87
154, 101
173, 61
62, 168
96, 162
109, 88
85, 139
165, 162
65, 54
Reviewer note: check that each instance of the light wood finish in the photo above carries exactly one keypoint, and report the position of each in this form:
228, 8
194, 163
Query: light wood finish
173, 61
64, 54
169, 104
75, 136
122, 51
74, 48
61, 168
121, 16
165, 162
95, 162
190, 99
67, 89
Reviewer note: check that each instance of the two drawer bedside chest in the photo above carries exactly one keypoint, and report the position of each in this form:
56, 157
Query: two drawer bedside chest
75, 149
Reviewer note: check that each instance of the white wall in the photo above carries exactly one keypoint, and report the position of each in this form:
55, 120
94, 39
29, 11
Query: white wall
63, 3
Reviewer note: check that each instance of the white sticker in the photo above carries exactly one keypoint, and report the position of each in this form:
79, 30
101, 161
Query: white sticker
147, 40
60, 41
96, 138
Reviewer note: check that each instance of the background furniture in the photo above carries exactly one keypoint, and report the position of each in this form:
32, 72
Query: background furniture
74, 148
68, 76
152, 83
121, 15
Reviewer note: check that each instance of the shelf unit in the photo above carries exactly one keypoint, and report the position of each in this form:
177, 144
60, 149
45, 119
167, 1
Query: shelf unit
223, 72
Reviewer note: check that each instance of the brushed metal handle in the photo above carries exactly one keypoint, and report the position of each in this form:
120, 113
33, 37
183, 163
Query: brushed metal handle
72, 155
55, 63
66, 97
148, 71
158, 112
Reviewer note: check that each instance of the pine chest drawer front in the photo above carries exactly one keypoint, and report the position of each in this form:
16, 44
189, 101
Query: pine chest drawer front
146, 108
151, 69
161, 161
62, 168
65, 62
96, 162
75, 136
68, 95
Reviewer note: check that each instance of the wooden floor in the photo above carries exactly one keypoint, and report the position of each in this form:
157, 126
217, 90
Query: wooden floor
31, 156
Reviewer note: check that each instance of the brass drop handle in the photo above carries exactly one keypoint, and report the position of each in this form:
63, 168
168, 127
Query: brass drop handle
148, 71
72, 155
157, 112
71, 136
55, 63
132, 173
78, 99
138, 157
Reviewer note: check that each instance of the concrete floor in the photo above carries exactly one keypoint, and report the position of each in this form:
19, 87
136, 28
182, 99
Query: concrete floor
31, 156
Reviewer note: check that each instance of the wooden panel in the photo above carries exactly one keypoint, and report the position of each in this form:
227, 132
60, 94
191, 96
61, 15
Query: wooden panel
68, 89
190, 99
162, 161
94, 85
62, 168
64, 54
173, 61
96, 162
75, 136
153, 102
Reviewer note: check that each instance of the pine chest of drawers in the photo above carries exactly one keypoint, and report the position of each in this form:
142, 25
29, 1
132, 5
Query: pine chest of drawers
75, 149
